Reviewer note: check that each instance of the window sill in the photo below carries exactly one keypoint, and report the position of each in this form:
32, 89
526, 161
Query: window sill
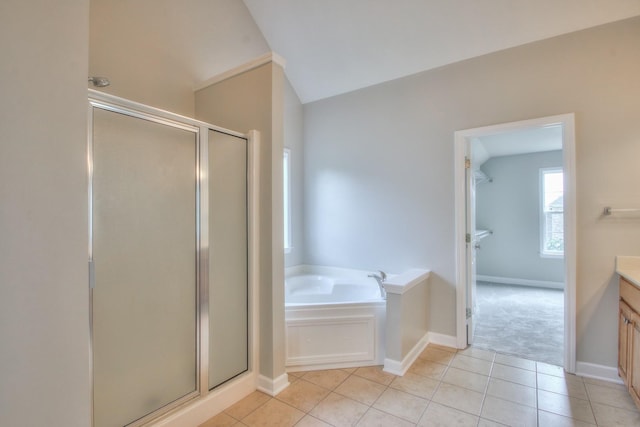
551, 256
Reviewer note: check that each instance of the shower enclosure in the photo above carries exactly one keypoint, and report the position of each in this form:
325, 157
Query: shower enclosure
169, 259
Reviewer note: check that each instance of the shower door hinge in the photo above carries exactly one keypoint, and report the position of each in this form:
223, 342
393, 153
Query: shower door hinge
468, 313
92, 275
467, 238
467, 163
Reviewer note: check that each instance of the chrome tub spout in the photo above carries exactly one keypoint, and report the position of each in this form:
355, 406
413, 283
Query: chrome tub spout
380, 277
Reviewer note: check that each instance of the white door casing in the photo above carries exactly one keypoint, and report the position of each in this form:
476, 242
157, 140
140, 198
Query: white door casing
462, 140
472, 245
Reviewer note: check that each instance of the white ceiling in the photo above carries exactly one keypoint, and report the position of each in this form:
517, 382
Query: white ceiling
337, 46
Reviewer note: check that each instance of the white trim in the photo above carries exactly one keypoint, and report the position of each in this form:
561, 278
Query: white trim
401, 367
337, 360
521, 282
201, 409
247, 66
337, 365
460, 216
461, 141
443, 340
401, 283
273, 386
395, 367
599, 372
570, 240
365, 354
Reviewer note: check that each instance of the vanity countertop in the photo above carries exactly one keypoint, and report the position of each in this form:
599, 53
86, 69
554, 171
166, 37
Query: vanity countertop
629, 268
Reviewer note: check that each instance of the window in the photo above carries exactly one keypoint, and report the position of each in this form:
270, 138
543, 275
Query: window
286, 179
552, 212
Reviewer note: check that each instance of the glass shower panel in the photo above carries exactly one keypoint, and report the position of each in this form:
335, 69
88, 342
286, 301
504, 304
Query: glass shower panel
228, 271
144, 250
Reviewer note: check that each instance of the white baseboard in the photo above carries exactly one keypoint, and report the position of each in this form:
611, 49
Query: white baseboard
273, 386
600, 372
443, 340
400, 367
338, 365
520, 282
201, 409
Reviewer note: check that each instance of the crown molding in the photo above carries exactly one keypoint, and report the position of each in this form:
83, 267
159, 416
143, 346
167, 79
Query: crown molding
247, 66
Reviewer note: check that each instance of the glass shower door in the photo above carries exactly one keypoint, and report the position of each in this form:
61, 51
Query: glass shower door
144, 250
228, 257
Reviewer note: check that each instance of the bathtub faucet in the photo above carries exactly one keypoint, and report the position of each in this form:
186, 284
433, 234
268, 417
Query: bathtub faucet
380, 278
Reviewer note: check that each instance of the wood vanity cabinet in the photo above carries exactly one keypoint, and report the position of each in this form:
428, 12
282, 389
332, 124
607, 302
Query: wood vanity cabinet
629, 338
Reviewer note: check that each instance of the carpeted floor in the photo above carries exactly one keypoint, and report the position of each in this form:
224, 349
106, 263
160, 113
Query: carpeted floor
522, 321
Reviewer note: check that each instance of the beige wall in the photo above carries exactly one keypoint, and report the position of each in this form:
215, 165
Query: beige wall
254, 100
43, 218
415, 316
390, 147
156, 51
407, 320
44, 295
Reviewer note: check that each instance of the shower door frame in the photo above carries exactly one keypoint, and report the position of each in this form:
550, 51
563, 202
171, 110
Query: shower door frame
244, 382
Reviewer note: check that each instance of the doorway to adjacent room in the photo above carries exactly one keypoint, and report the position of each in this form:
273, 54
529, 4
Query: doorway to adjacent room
515, 223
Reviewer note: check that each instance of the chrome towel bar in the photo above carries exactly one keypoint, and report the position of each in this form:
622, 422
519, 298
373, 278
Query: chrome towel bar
608, 210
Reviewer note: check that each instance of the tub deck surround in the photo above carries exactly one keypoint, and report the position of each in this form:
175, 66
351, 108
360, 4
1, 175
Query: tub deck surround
407, 325
336, 318
629, 268
330, 336
402, 283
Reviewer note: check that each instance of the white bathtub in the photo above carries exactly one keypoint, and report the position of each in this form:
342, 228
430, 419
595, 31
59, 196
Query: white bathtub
323, 289
334, 318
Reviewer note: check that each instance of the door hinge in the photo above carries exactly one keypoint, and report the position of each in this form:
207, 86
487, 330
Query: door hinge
468, 313
467, 163
467, 238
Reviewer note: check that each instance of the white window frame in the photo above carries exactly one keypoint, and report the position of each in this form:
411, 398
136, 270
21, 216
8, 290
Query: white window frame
286, 198
544, 253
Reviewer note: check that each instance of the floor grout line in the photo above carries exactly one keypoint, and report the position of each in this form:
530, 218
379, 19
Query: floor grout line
439, 383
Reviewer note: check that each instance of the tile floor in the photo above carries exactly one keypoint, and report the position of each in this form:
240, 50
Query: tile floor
444, 387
